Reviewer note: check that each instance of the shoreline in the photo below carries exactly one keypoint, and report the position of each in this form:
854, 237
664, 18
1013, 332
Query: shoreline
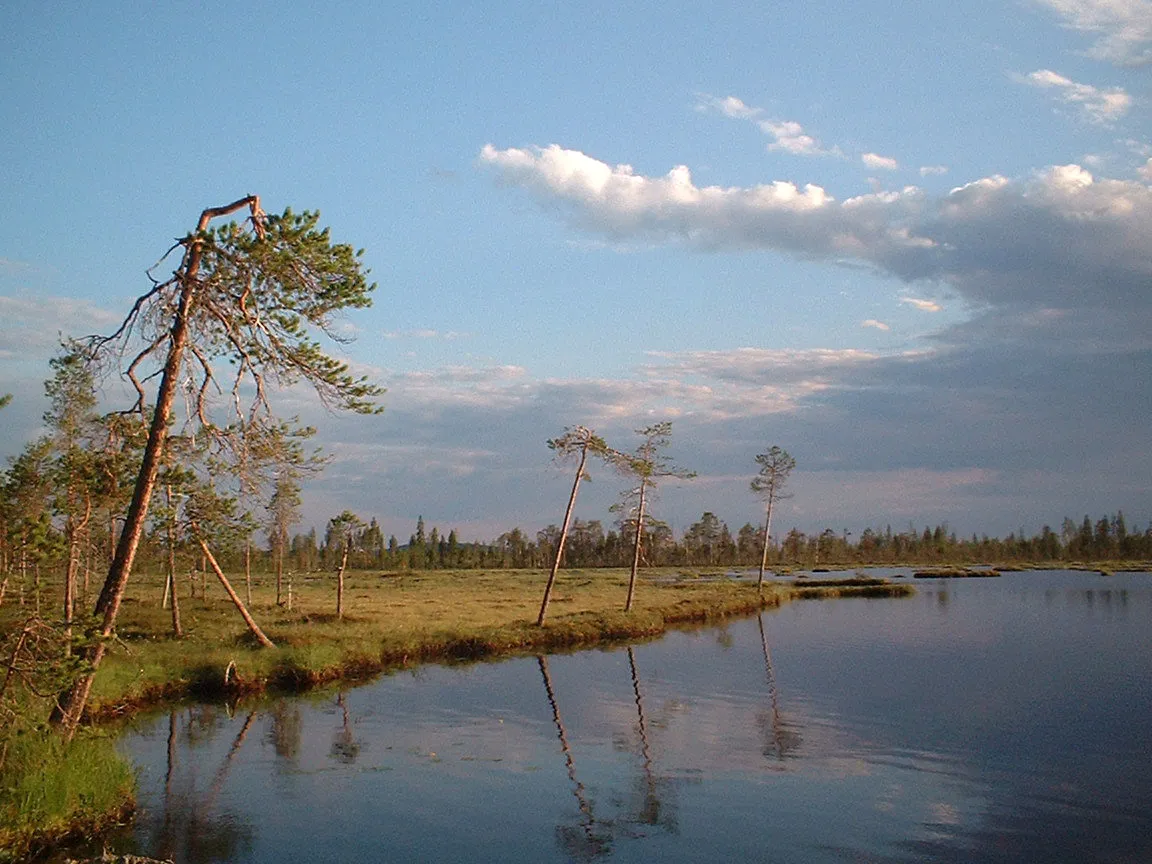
231, 668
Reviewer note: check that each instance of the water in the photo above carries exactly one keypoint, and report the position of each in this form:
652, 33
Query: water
981, 720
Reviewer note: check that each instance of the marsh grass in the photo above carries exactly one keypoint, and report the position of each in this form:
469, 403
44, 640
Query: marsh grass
50, 791
954, 573
394, 619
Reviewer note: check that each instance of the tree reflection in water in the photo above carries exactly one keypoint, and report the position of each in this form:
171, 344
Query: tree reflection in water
345, 747
652, 809
780, 739
590, 838
193, 829
284, 733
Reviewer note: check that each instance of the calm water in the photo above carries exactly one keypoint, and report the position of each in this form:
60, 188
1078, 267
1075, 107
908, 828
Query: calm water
982, 720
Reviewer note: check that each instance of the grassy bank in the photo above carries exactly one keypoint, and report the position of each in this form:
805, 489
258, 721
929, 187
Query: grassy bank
390, 620
50, 791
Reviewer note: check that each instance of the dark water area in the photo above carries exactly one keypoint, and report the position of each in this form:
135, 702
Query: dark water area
981, 720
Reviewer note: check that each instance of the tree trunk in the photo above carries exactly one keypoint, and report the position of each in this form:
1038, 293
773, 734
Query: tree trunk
236, 601
177, 630
76, 531
340, 582
70, 705
636, 548
764, 554
563, 537
279, 568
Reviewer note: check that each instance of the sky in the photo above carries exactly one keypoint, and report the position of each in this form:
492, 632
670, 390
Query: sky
910, 243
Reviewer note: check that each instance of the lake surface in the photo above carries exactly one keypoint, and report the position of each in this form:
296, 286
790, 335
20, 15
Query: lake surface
982, 720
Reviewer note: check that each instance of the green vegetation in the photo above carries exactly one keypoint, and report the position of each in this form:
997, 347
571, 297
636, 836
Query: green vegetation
51, 789
393, 619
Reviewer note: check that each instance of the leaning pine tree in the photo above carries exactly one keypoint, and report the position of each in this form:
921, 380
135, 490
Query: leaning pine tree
648, 466
249, 297
576, 441
775, 467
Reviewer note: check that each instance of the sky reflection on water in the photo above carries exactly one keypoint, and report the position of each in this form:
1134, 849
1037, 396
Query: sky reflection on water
992, 720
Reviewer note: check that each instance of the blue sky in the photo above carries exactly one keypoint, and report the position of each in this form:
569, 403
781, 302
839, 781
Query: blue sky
911, 243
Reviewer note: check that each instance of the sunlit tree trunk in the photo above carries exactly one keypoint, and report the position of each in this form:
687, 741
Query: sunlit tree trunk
71, 704
340, 581
764, 553
636, 547
563, 536
234, 597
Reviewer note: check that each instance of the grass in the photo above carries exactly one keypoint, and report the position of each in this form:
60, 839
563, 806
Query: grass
50, 791
954, 573
391, 620
395, 619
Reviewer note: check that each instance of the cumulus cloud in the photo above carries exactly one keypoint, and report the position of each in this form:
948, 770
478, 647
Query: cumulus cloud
922, 305
875, 325
1145, 171
879, 163
1060, 237
1123, 28
1099, 106
932, 170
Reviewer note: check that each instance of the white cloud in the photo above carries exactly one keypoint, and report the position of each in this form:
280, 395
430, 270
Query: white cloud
1123, 27
786, 135
1145, 171
789, 136
1060, 238
1099, 106
879, 163
930, 170
922, 305
875, 325
729, 106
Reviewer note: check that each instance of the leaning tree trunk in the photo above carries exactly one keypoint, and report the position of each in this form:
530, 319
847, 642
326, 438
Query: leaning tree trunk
236, 601
636, 548
764, 554
70, 705
563, 537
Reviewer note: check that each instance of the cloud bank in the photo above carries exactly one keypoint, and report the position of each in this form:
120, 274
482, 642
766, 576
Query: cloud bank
1060, 238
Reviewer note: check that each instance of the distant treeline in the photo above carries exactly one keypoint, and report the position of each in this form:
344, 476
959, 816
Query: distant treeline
709, 542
